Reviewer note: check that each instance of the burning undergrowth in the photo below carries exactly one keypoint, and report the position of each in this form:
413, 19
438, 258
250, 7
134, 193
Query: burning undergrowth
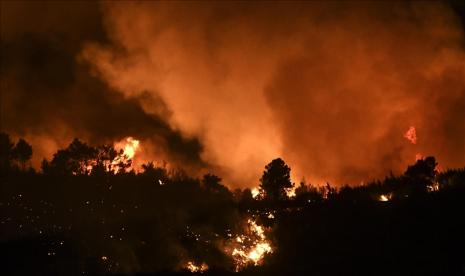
150, 219
247, 245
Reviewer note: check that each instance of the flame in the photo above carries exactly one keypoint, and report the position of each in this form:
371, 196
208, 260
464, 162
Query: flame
290, 192
192, 267
386, 197
411, 135
129, 146
252, 248
433, 188
255, 192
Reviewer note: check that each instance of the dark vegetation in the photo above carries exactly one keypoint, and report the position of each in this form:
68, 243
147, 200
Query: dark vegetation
87, 214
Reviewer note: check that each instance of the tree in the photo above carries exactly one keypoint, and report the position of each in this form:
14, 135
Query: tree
212, 183
6, 149
276, 180
77, 159
423, 168
153, 173
22, 153
420, 175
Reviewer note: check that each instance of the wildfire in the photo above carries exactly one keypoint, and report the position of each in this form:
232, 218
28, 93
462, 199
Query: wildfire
411, 135
192, 267
252, 248
433, 188
129, 146
290, 192
255, 192
386, 197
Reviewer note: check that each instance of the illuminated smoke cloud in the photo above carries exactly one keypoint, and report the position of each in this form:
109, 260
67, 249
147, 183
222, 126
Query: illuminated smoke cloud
227, 87
331, 88
49, 96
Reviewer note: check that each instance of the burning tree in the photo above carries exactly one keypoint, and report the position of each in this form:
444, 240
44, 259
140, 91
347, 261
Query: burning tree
80, 158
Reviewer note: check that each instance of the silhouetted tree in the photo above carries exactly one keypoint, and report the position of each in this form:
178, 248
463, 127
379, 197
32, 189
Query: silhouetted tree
307, 193
157, 174
104, 160
212, 183
302, 189
6, 149
22, 153
423, 168
276, 180
420, 175
77, 159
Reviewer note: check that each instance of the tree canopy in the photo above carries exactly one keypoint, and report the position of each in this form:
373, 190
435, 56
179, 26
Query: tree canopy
276, 180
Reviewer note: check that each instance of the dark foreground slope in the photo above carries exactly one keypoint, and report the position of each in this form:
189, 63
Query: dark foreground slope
71, 220
418, 235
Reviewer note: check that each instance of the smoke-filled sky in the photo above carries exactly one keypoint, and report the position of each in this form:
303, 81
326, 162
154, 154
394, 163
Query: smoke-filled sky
226, 87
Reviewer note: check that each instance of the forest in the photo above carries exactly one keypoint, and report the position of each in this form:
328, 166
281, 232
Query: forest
87, 212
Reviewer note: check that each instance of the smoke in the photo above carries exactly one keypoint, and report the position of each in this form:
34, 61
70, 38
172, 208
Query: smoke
331, 87
49, 97
366, 77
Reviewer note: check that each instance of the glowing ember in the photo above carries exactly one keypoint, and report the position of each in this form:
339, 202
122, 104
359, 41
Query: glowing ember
385, 197
255, 192
251, 248
433, 188
192, 267
418, 156
411, 135
290, 192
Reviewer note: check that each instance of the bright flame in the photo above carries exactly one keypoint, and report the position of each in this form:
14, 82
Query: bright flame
251, 249
290, 192
411, 135
433, 188
129, 148
384, 197
255, 192
192, 267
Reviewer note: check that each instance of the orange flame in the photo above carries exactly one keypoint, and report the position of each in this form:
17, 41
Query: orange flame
411, 135
192, 267
252, 248
255, 192
129, 146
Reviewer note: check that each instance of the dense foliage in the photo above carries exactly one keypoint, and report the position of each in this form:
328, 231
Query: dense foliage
86, 214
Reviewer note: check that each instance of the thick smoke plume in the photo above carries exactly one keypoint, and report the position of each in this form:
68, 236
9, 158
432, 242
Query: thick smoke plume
330, 87
49, 96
